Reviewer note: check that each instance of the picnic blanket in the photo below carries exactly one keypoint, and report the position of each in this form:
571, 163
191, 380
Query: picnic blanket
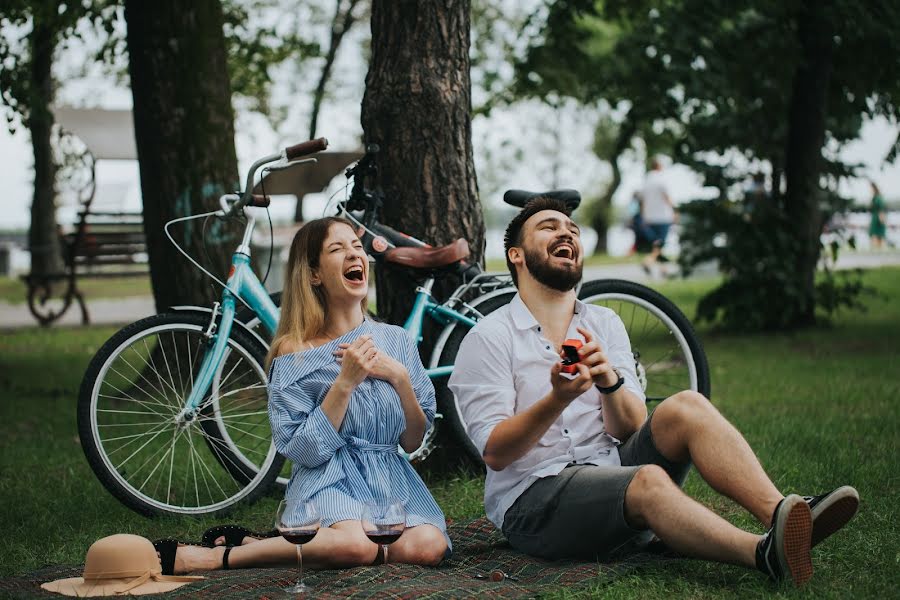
478, 548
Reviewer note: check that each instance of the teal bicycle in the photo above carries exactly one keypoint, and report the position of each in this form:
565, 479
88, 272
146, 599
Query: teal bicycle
172, 411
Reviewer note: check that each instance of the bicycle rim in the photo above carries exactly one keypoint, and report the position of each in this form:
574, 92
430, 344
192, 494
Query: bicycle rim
668, 356
174, 466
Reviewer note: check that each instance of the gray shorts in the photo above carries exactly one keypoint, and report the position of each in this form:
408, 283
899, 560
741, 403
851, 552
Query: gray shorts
580, 513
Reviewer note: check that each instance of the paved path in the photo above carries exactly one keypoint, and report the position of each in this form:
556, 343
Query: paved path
126, 310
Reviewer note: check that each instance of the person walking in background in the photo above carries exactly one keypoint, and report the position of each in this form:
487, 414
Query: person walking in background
658, 214
877, 226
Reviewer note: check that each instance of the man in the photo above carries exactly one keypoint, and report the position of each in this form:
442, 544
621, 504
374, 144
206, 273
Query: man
575, 467
657, 213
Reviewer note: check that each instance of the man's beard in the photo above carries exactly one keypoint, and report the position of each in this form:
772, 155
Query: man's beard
557, 278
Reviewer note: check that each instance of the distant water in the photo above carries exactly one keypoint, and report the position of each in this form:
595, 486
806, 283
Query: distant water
619, 240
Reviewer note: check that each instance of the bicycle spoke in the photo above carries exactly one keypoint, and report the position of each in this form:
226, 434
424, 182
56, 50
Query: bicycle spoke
162, 380
144, 403
132, 399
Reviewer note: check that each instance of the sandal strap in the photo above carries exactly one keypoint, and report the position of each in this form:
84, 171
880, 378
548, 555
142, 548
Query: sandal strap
225, 558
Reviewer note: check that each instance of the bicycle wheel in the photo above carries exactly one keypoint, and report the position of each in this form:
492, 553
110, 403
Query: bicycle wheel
446, 401
668, 355
139, 445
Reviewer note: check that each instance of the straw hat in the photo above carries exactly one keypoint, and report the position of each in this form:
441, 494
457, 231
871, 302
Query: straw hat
119, 564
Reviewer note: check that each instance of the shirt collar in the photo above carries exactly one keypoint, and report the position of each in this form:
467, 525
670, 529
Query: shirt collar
522, 317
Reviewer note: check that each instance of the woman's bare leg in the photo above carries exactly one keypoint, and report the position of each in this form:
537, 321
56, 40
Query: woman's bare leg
342, 545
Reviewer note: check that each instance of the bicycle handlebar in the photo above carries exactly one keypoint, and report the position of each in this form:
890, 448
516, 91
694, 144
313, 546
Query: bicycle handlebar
305, 148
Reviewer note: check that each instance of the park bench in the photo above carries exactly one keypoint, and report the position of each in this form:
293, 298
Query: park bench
103, 245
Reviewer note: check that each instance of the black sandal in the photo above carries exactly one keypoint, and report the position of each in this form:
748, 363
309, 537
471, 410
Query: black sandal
167, 549
234, 535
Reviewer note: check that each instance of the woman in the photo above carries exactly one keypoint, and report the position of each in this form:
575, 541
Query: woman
877, 228
343, 391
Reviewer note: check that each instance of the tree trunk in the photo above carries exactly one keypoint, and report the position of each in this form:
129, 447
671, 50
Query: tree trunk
803, 161
417, 107
600, 220
43, 235
184, 130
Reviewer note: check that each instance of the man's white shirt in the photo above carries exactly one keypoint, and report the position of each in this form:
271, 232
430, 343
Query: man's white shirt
503, 367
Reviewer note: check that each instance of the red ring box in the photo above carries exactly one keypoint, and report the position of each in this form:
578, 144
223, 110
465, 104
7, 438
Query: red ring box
570, 349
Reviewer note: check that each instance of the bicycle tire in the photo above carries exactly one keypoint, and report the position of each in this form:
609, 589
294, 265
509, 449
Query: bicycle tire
612, 293
157, 396
593, 292
446, 401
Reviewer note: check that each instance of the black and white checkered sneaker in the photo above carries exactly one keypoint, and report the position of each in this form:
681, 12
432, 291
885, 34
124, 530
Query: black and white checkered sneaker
832, 511
783, 552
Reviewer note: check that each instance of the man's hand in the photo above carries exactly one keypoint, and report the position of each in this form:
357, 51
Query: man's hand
592, 356
565, 389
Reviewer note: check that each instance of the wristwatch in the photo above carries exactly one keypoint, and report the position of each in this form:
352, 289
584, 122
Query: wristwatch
613, 387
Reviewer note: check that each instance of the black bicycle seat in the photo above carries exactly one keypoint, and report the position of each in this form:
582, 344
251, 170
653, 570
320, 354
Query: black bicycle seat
572, 198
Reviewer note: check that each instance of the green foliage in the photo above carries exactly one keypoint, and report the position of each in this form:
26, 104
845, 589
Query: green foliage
712, 82
757, 252
18, 23
254, 48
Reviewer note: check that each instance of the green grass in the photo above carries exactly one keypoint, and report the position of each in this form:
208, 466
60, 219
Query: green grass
820, 407
14, 291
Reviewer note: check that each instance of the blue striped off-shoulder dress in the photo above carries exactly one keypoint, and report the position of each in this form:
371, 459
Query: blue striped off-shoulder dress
340, 470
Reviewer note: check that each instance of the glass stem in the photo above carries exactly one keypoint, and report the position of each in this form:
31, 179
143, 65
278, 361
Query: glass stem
299, 564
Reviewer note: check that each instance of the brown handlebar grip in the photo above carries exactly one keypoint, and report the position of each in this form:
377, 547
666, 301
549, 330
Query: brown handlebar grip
304, 148
259, 201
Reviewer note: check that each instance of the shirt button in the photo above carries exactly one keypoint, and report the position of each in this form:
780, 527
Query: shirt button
566, 431
547, 347
539, 328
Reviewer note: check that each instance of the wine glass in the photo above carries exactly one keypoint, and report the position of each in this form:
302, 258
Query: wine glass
383, 522
298, 522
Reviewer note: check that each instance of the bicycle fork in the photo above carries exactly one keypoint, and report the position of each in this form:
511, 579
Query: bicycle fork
217, 334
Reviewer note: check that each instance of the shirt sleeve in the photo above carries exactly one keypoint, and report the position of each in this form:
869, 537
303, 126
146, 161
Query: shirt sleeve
421, 382
619, 355
482, 382
301, 431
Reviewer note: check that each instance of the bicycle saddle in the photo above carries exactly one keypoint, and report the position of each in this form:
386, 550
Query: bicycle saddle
429, 258
519, 198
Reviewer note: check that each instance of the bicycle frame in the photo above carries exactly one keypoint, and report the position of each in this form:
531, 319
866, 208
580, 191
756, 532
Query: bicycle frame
425, 305
242, 283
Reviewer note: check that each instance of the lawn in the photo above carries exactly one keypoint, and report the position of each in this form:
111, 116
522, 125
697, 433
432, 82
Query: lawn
14, 290
820, 407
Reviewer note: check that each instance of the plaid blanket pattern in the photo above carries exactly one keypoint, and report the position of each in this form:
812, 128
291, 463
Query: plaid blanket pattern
478, 548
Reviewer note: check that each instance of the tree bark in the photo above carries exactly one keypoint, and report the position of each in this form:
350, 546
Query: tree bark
600, 220
43, 235
417, 107
184, 130
803, 160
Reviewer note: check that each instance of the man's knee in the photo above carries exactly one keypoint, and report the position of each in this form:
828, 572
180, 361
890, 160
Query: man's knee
684, 407
649, 486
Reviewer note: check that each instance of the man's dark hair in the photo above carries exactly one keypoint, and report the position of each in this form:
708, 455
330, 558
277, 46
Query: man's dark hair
513, 235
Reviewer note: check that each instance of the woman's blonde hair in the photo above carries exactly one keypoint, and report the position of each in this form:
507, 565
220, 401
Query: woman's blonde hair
303, 305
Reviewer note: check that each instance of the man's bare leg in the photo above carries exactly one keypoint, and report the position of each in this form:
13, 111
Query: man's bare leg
653, 501
687, 426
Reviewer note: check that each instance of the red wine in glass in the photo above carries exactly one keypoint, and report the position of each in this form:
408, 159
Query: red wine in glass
383, 522
384, 536
298, 522
299, 536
